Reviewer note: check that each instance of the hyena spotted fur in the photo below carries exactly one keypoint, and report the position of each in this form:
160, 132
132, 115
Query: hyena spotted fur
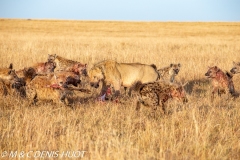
169, 73
155, 94
63, 64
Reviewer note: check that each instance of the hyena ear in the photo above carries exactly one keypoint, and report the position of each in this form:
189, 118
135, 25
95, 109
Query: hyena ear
216, 68
10, 66
179, 65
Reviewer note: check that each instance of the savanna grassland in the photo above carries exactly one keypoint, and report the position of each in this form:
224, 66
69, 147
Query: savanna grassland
200, 129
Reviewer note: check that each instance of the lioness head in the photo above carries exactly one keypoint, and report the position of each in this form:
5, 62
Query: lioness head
95, 76
236, 68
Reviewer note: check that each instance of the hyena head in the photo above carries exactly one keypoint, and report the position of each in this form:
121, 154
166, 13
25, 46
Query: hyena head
51, 57
179, 93
71, 80
49, 67
174, 69
95, 76
212, 71
8, 73
80, 69
29, 73
65, 81
236, 68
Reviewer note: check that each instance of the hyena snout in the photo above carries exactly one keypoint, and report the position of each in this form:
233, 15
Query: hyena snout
207, 74
176, 71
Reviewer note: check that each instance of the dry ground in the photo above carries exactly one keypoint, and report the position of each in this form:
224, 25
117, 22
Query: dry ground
201, 129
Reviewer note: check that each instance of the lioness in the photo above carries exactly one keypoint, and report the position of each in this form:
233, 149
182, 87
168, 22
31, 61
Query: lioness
121, 74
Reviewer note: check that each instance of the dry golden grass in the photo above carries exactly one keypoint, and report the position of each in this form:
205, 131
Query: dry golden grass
200, 129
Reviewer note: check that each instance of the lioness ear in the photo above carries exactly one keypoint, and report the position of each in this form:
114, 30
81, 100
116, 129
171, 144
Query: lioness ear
234, 63
179, 65
171, 65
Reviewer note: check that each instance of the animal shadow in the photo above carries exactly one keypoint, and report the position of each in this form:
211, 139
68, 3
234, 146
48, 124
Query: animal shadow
197, 86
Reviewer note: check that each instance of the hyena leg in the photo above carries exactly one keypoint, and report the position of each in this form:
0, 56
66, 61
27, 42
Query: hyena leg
138, 105
32, 95
128, 91
163, 107
213, 92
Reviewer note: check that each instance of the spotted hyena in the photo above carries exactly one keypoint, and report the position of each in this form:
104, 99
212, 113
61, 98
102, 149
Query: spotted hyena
54, 87
9, 81
236, 68
221, 82
7, 74
44, 67
27, 74
156, 93
63, 64
169, 73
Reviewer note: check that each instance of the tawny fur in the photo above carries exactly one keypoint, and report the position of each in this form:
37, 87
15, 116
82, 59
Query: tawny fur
117, 74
